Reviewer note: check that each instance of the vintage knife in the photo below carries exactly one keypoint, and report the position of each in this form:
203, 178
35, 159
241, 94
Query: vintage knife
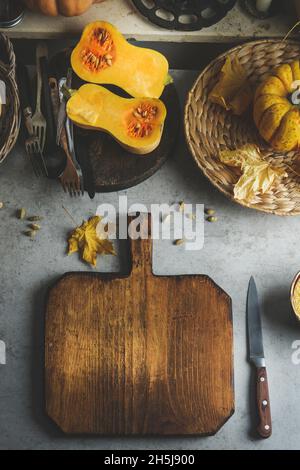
257, 357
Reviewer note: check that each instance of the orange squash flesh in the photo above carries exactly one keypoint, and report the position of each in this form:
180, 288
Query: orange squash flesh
103, 56
136, 123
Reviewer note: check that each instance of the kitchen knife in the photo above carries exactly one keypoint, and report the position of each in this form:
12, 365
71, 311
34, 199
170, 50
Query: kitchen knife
47, 111
62, 113
257, 357
61, 119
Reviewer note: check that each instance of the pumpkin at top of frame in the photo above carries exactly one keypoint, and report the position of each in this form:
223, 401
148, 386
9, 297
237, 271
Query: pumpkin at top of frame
60, 7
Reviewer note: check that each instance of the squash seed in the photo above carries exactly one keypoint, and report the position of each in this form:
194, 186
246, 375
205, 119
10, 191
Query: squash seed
181, 206
35, 227
1, 205
35, 218
212, 219
210, 211
30, 233
179, 242
21, 214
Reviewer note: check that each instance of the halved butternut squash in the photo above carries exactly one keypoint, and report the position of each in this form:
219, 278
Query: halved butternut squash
136, 123
104, 56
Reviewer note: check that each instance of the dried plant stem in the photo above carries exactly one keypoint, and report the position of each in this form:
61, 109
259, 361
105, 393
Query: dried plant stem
68, 213
291, 30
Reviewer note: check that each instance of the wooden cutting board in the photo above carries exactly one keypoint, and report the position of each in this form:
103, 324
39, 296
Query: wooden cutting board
138, 353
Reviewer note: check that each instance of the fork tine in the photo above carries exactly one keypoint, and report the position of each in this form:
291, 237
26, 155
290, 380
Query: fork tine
63, 184
44, 134
77, 192
41, 137
35, 171
74, 188
32, 162
82, 185
67, 187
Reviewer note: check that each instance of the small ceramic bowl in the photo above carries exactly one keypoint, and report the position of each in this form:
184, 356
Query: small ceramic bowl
294, 283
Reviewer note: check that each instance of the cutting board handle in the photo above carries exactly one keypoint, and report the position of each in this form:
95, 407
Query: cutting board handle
140, 248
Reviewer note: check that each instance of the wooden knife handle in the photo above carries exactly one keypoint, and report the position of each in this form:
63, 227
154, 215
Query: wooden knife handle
263, 403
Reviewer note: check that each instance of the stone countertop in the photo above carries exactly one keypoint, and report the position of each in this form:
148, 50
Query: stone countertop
235, 26
242, 243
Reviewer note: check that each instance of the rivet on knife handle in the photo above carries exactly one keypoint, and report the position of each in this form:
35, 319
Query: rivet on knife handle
263, 402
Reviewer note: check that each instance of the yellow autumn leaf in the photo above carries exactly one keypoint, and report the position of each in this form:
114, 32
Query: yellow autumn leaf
233, 90
85, 240
258, 174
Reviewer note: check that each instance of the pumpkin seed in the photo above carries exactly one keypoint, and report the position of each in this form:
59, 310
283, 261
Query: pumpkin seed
109, 62
30, 233
35, 218
210, 211
35, 227
212, 219
179, 242
21, 213
1, 205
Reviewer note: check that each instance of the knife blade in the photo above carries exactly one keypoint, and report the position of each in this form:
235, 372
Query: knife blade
257, 357
61, 119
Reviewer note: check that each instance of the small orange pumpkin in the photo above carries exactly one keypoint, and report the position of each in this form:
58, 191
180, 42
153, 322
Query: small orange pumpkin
276, 116
60, 7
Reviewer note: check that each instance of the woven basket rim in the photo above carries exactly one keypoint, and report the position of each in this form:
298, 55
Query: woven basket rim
186, 123
8, 75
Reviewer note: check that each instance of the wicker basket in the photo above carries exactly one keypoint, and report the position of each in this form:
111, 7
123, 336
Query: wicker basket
10, 117
209, 128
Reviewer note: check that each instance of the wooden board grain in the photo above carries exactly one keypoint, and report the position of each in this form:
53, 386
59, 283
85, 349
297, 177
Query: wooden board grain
138, 354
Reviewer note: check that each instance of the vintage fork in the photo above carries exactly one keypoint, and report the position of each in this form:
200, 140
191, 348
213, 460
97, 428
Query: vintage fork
32, 145
72, 177
38, 121
70, 140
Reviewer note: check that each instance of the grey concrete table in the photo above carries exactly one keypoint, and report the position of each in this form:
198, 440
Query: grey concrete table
243, 243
